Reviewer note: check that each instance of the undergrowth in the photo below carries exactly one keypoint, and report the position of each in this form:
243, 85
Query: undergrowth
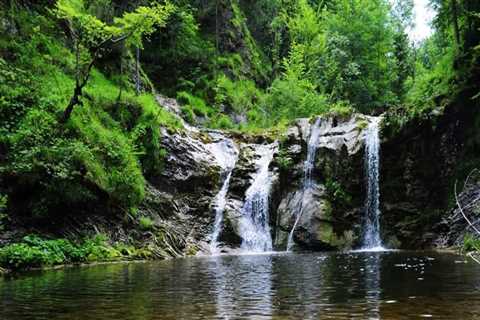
36, 252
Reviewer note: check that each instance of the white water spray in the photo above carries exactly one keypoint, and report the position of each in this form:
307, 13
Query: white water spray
307, 173
226, 154
254, 223
371, 236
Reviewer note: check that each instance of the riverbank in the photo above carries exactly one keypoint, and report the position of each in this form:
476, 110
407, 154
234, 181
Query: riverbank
131, 259
35, 253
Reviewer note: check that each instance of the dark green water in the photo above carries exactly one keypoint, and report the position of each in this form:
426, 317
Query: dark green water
388, 285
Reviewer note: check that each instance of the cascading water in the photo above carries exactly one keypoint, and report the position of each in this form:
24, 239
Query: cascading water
254, 223
371, 236
226, 154
307, 172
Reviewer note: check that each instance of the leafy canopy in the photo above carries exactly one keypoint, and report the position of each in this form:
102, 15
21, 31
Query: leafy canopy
131, 26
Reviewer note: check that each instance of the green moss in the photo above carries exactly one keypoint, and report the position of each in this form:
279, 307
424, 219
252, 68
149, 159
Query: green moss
362, 124
146, 223
345, 241
341, 109
260, 66
326, 233
191, 250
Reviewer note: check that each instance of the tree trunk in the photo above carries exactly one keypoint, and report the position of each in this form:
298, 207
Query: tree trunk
137, 71
73, 102
456, 29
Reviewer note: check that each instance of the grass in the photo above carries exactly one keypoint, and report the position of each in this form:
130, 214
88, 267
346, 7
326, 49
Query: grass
109, 143
36, 252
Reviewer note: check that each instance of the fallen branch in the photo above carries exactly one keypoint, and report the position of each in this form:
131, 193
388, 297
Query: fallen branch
472, 225
471, 255
463, 213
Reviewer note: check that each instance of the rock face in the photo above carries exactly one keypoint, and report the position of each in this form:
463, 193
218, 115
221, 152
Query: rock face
188, 183
331, 209
184, 192
419, 166
252, 158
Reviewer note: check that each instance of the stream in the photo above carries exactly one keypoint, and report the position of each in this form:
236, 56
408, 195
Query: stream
350, 285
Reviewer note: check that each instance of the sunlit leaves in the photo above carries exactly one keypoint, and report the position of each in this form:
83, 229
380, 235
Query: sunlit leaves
132, 26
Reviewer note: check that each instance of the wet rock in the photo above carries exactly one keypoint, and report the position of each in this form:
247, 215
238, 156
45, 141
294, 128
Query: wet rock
243, 176
333, 206
182, 194
419, 165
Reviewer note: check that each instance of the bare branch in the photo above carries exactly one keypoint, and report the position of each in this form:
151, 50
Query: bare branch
471, 255
468, 177
463, 213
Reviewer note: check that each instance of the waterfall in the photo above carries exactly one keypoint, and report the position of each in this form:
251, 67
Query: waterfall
307, 172
254, 223
371, 236
226, 155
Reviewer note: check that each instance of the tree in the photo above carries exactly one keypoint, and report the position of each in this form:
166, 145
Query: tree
357, 66
404, 66
402, 12
92, 36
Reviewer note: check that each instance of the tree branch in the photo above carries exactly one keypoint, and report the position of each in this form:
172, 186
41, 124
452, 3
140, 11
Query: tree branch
463, 213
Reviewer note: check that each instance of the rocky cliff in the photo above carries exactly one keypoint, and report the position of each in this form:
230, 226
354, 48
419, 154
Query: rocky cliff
419, 163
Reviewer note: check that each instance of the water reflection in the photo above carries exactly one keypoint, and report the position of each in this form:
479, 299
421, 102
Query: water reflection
243, 287
372, 284
356, 285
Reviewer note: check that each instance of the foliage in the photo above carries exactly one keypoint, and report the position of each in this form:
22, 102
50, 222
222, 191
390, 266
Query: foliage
336, 192
294, 89
105, 148
241, 95
284, 161
196, 104
222, 122
91, 31
91, 35
471, 243
434, 75
35, 252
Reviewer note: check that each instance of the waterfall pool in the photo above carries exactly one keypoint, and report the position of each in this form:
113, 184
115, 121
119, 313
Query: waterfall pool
351, 285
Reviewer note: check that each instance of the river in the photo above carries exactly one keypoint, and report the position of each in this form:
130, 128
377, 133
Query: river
350, 285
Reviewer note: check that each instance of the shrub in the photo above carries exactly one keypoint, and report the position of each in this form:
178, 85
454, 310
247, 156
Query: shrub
196, 104
285, 162
336, 192
34, 251
240, 95
471, 243
222, 122
341, 109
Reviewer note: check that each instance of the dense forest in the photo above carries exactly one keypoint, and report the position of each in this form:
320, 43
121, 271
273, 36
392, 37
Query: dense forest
86, 89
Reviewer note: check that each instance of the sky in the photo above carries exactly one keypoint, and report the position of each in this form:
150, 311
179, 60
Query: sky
423, 17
